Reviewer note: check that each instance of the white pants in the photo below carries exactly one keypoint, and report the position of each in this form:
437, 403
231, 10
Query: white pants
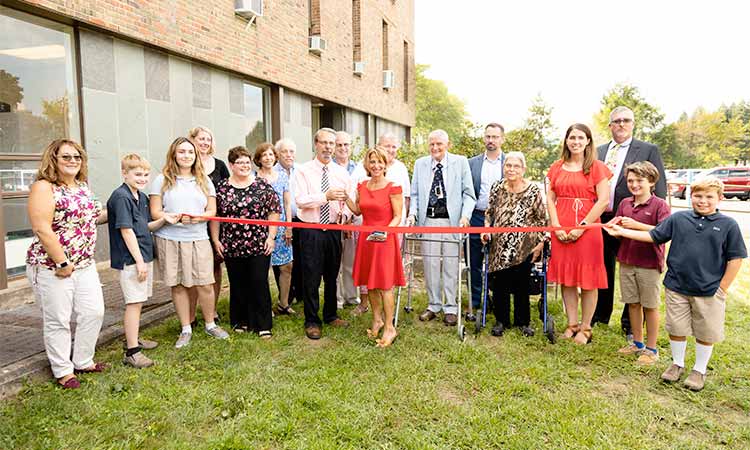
59, 298
441, 265
345, 289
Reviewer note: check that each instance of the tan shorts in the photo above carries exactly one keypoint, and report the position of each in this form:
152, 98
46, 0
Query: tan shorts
134, 291
640, 285
188, 263
702, 317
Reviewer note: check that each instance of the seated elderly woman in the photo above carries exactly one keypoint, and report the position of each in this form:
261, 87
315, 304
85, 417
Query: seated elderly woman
514, 202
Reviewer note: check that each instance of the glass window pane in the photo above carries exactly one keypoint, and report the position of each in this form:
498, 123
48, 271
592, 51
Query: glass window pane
18, 234
38, 99
254, 115
17, 176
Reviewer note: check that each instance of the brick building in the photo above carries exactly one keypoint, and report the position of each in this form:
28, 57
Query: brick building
131, 75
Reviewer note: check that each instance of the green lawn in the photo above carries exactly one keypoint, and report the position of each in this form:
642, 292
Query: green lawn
428, 391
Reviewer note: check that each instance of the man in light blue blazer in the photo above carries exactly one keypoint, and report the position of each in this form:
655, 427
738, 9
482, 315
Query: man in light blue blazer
442, 194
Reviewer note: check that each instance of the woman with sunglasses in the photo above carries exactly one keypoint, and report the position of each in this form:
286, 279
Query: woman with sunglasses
60, 261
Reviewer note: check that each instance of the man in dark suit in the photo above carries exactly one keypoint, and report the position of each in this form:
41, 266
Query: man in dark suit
622, 150
486, 168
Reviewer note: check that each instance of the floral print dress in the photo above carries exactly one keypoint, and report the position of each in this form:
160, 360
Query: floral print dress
282, 252
74, 223
256, 201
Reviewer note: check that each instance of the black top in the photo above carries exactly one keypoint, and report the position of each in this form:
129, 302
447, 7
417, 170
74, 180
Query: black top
220, 172
701, 247
124, 211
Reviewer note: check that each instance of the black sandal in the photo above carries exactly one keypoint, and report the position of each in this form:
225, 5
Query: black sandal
285, 311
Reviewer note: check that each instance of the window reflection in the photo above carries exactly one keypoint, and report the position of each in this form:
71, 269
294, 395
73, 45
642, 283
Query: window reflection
254, 104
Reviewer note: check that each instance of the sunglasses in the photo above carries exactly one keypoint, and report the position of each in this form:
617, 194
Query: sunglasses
69, 158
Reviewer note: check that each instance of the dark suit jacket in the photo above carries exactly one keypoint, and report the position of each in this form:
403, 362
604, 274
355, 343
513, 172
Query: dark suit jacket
638, 151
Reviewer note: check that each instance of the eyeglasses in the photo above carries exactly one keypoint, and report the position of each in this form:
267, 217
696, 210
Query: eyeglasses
621, 122
69, 158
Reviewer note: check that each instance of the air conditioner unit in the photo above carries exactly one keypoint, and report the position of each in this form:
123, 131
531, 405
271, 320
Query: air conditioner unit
317, 45
388, 79
359, 67
248, 9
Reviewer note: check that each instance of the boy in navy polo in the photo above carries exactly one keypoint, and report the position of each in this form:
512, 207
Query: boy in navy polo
704, 259
132, 251
641, 263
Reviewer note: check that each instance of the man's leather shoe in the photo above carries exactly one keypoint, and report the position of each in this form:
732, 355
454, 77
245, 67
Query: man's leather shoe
498, 329
450, 320
470, 317
312, 332
427, 316
338, 323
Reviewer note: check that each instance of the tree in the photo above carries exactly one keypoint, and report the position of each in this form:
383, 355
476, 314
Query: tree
535, 139
11, 92
708, 139
648, 118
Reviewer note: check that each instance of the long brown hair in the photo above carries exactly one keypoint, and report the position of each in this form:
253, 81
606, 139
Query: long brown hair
589, 153
48, 166
171, 169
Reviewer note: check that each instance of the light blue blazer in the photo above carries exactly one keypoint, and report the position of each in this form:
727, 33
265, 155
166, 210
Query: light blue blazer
459, 188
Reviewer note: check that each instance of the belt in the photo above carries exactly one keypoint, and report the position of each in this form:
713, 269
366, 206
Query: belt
437, 213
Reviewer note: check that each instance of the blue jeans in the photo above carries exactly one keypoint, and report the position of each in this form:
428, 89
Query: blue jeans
475, 245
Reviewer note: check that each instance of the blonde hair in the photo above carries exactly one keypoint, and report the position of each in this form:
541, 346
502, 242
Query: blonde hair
48, 166
171, 169
379, 154
193, 134
708, 184
134, 161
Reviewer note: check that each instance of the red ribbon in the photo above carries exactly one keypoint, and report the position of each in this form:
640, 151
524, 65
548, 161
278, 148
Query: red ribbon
404, 229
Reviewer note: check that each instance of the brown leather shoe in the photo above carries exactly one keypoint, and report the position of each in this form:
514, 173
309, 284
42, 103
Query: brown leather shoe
450, 320
312, 332
427, 315
339, 323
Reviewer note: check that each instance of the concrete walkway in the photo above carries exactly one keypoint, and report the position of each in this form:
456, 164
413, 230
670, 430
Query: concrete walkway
22, 353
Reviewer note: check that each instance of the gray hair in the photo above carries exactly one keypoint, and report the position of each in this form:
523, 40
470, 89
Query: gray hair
620, 109
285, 142
517, 155
343, 134
323, 130
441, 134
389, 136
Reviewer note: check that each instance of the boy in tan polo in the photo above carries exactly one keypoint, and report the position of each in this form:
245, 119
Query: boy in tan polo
704, 258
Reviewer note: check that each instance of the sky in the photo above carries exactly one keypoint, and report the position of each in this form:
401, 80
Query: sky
498, 55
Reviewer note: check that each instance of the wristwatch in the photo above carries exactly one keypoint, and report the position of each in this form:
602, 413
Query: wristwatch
62, 265
583, 222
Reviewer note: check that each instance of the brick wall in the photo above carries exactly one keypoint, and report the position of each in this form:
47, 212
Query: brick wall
275, 48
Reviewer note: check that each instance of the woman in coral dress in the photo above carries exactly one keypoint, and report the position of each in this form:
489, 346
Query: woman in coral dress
577, 194
377, 263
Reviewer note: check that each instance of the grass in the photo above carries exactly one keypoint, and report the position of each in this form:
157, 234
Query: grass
427, 391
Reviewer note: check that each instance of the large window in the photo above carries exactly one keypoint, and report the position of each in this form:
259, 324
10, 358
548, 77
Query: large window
38, 103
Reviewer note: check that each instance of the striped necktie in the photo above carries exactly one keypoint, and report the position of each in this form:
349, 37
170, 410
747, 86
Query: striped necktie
325, 209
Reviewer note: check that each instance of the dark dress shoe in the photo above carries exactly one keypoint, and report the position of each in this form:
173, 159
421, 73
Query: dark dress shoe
339, 323
450, 320
527, 331
312, 332
470, 317
498, 329
427, 316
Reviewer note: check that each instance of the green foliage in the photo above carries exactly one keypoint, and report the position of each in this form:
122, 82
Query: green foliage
437, 108
708, 139
535, 138
10, 91
648, 118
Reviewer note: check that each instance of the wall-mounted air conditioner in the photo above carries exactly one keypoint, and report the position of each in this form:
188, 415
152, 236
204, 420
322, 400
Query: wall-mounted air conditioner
248, 9
388, 79
359, 67
317, 45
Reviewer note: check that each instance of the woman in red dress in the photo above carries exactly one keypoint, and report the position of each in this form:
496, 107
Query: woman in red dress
577, 194
377, 263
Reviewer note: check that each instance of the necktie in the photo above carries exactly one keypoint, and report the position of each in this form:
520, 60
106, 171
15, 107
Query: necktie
437, 191
325, 209
611, 161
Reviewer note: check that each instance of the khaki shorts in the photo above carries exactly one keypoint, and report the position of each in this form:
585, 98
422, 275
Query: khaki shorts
188, 263
702, 317
640, 285
134, 291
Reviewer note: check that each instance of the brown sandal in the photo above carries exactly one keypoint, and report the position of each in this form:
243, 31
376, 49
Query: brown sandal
573, 329
587, 336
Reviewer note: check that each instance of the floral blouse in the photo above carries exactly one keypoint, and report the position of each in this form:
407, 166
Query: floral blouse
255, 201
509, 209
74, 223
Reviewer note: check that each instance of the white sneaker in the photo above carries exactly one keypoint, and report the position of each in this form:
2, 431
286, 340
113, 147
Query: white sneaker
183, 340
218, 333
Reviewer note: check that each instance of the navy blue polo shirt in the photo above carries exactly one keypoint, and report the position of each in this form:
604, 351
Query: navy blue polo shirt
123, 211
701, 247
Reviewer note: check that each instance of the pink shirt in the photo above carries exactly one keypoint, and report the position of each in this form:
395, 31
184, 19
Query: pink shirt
307, 192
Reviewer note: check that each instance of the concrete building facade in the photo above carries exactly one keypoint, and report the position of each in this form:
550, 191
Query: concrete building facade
130, 76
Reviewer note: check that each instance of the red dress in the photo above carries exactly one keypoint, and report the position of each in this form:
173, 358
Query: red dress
579, 263
377, 265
